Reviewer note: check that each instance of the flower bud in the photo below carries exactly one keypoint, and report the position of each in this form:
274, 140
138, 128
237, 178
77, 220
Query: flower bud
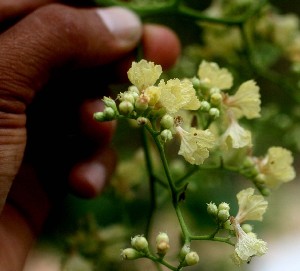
227, 225
212, 209
223, 215
130, 254
140, 243
125, 107
216, 99
247, 228
166, 135
142, 121
109, 102
196, 82
167, 121
214, 90
141, 103
109, 113
99, 116
204, 106
128, 96
224, 206
133, 89
192, 258
162, 243
184, 251
214, 112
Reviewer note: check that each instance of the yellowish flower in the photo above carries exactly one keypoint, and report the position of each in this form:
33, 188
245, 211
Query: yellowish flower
251, 207
195, 144
214, 76
144, 74
247, 245
236, 136
246, 101
153, 93
178, 94
276, 168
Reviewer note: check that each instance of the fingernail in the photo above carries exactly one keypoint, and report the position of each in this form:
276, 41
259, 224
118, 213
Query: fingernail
123, 24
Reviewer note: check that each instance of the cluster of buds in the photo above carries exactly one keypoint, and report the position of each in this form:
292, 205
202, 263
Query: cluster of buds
187, 256
220, 213
139, 248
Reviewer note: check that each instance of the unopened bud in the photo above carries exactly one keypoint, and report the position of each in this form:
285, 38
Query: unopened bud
212, 209
162, 243
130, 254
109, 113
247, 228
140, 243
205, 106
192, 258
196, 82
214, 112
125, 107
109, 102
166, 135
216, 98
141, 103
224, 206
141, 121
167, 121
223, 215
184, 251
99, 116
128, 96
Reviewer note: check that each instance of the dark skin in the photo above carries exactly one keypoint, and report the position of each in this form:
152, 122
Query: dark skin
55, 64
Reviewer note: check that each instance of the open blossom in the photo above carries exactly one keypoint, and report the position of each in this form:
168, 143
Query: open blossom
236, 136
245, 102
276, 167
214, 76
251, 207
195, 144
247, 245
144, 74
178, 94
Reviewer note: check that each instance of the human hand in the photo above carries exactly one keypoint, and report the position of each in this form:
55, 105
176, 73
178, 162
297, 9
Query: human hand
54, 62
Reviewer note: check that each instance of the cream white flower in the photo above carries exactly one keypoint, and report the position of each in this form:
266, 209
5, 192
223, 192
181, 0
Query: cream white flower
144, 74
251, 207
178, 94
236, 136
195, 144
247, 245
246, 101
214, 76
276, 167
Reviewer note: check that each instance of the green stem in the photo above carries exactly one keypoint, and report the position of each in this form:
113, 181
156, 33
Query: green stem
210, 238
151, 179
161, 261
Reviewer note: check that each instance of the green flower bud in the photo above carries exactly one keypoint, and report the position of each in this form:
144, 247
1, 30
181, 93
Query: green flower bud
140, 243
212, 209
214, 112
196, 82
162, 243
166, 135
141, 103
223, 215
224, 206
133, 89
167, 121
128, 96
130, 254
192, 258
214, 90
109, 102
99, 116
142, 121
247, 228
109, 113
184, 251
204, 106
125, 107
216, 99
227, 225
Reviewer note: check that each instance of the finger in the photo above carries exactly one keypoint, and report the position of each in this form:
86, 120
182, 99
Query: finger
88, 178
161, 45
67, 38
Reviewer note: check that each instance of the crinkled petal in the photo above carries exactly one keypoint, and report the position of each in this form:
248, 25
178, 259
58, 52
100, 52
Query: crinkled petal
215, 76
144, 74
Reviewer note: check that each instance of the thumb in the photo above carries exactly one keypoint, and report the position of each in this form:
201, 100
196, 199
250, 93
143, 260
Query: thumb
52, 38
